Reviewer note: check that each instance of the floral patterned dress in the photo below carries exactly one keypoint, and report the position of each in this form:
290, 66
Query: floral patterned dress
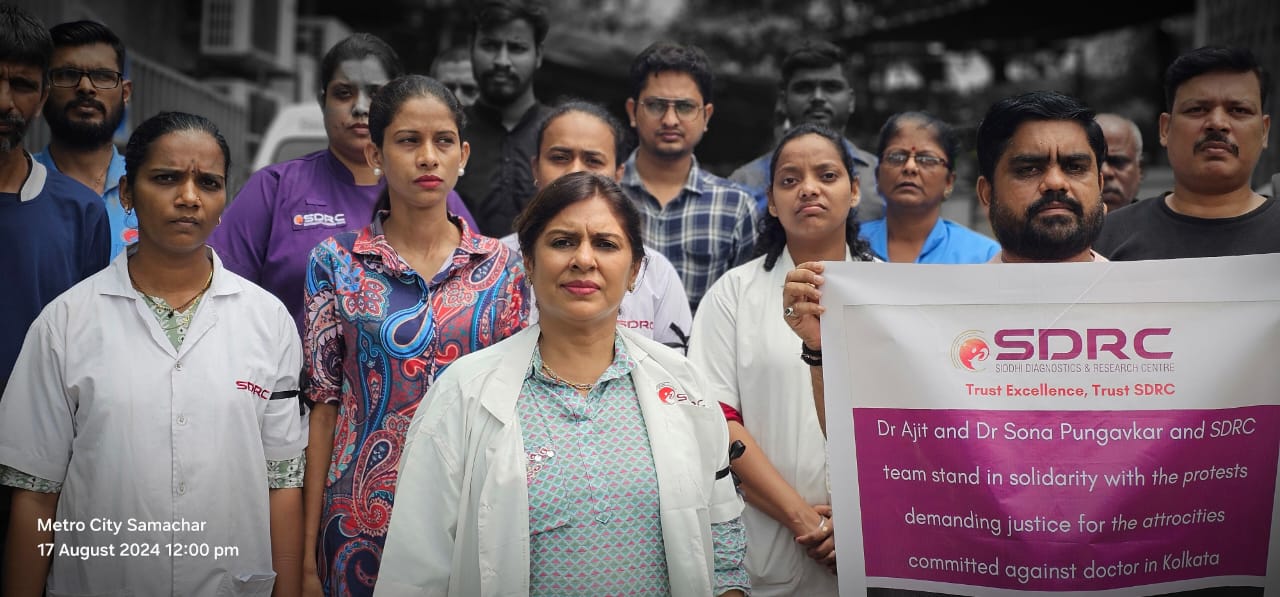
378, 333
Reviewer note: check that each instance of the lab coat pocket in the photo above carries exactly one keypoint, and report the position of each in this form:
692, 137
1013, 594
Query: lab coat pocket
247, 585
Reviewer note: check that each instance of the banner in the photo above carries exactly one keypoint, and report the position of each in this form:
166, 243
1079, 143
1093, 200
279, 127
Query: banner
1081, 428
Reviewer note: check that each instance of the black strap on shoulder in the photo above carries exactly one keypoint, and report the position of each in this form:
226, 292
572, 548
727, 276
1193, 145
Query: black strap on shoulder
735, 451
682, 345
284, 394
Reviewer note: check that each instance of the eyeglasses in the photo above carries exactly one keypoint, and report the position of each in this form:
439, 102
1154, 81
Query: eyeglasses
70, 77
923, 160
656, 107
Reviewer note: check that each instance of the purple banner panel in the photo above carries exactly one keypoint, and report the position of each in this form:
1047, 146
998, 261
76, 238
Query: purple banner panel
1066, 500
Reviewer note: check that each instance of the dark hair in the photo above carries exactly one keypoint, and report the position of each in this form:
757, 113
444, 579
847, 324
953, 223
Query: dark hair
1210, 59
85, 33
621, 144
574, 188
773, 237
24, 40
496, 13
355, 47
136, 151
454, 54
815, 54
665, 56
943, 134
387, 102
1006, 115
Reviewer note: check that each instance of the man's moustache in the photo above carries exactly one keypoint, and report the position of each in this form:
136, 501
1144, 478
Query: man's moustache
16, 121
1216, 137
87, 103
1048, 199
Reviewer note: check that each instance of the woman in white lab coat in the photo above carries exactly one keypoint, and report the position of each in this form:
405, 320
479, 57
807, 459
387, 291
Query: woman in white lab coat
750, 356
574, 458
154, 407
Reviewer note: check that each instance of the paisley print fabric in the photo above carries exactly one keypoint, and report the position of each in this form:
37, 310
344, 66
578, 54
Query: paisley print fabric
378, 333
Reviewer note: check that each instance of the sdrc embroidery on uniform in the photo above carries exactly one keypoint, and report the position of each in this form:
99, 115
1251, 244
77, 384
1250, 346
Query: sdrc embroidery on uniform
253, 388
320, 219
539, 458
668, 395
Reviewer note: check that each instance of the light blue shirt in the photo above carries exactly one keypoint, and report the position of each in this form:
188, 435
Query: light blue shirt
948, 242
124, 227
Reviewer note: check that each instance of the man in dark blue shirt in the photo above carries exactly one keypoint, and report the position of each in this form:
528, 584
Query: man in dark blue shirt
53, 230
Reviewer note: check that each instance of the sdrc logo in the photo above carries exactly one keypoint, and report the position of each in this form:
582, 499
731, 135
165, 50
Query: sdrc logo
253, 388
969, 350
669, 395
319, 219
1063, 344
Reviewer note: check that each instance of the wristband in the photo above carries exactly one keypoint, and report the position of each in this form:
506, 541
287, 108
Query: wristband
811, 357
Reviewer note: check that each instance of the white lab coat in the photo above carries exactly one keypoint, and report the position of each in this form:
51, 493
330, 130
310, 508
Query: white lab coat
746, 352
134, 429
461, 523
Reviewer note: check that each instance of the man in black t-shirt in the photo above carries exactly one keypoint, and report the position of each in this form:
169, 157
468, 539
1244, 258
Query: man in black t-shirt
1214, 129
502, 126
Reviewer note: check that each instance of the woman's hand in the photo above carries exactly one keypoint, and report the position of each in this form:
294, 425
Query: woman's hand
821, 543
800, 296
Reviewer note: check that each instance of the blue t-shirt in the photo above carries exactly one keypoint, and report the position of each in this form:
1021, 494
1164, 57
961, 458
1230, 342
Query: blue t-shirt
948, 242
124, 226
55, 234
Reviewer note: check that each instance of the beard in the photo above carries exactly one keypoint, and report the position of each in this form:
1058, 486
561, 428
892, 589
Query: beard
1054, 238
13, 139
502, 87
83, 135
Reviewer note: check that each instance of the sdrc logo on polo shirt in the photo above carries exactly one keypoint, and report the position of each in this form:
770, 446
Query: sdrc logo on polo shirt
320, 219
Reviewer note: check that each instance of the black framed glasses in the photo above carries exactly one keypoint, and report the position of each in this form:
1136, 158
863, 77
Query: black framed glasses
923, 160
70, 77
656, 107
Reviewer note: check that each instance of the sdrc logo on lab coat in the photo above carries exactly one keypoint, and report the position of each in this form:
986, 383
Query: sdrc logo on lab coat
320, 219
668, 395
254, 389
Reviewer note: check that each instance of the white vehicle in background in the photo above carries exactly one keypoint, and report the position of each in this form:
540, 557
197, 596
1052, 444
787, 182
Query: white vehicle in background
296, 130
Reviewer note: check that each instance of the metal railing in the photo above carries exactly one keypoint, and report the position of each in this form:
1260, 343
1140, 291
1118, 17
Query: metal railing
158, 88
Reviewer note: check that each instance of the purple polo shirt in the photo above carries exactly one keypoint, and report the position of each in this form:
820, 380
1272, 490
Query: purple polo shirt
284, 210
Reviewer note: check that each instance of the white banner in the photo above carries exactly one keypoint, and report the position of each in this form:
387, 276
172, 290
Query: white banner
1083, 428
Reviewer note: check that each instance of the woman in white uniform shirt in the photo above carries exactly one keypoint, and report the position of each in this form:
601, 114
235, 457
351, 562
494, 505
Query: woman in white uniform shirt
580, 136
159, 394
751, 359
574, 458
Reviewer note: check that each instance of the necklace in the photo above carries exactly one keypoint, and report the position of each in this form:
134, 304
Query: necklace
171, 310
581, 387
